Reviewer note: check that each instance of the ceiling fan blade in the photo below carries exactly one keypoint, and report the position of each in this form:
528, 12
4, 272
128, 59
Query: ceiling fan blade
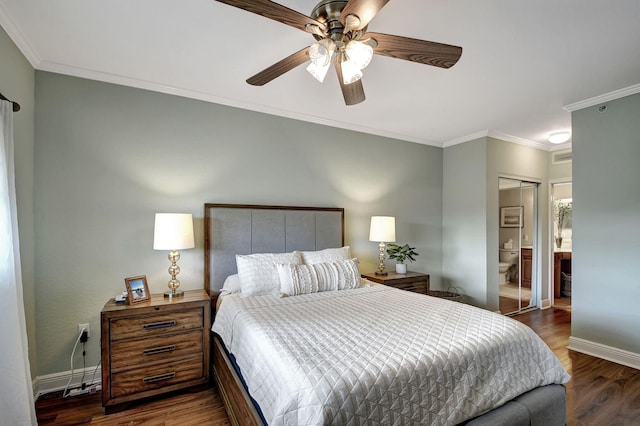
279, 68
353, 93
365, 10
275, 11
411, 49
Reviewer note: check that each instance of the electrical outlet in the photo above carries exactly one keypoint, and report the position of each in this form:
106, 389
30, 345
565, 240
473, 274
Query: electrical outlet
86, 328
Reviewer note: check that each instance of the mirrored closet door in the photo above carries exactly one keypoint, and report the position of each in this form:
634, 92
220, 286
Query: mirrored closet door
517, 242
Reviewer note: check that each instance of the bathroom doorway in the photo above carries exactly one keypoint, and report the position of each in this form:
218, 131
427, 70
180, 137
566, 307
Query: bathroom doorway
562, 214
518, 231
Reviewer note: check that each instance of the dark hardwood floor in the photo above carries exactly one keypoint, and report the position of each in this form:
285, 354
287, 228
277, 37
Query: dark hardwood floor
599, 393
186, 408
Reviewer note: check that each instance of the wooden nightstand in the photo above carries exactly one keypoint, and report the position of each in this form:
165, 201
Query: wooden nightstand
411, 281
154, 347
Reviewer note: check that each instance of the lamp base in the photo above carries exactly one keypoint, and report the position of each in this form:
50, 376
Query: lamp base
170, 293
382, 273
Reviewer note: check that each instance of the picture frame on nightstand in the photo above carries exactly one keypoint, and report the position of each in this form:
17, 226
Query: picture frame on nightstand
137, 289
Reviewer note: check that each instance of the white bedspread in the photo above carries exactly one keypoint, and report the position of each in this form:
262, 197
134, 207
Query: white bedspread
379, 355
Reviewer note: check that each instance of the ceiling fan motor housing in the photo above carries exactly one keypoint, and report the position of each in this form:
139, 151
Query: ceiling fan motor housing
328, 12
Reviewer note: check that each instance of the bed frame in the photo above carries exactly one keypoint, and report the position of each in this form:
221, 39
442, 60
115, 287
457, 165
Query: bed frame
232, 229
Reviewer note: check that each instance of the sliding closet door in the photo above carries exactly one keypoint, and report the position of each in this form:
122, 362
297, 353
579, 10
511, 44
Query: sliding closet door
517, 245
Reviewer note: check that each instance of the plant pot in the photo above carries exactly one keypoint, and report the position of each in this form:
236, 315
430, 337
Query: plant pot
559, 242
401, 268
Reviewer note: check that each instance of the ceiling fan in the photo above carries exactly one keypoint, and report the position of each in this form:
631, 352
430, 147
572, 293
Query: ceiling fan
340, 29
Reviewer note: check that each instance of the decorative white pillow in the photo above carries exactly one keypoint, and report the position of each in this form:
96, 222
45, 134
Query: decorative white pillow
326, 255
258, 273
231, 285
329, 276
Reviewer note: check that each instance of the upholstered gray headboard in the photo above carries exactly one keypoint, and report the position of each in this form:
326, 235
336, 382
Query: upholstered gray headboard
232, 229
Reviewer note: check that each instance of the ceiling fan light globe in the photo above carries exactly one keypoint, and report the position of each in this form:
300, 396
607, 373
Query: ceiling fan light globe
320, 53
318, 71
359, 53
350, 72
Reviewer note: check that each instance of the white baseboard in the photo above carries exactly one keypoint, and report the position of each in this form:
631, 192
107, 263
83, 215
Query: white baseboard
58, 381
619, 356
545, 303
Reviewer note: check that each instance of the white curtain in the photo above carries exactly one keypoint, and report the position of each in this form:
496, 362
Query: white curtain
16, 403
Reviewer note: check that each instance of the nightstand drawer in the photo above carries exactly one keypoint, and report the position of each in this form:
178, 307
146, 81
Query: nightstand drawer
418, 287
155, 324
155, 377
141, 352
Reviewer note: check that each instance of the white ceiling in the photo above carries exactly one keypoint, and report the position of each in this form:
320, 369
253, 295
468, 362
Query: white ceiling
521, 63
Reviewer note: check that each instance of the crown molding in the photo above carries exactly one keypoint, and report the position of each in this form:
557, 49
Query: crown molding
466, 138
498, 135
18, 38
611, 96
561, 147
520, 141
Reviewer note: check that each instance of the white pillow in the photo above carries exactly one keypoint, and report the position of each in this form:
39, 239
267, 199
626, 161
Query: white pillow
258, 273
231, 285
326, 255
329, 276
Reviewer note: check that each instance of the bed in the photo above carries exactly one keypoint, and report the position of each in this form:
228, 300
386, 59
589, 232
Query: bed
365, 353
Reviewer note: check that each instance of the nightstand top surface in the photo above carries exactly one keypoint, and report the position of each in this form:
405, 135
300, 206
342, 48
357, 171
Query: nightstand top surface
159, 300
394, 276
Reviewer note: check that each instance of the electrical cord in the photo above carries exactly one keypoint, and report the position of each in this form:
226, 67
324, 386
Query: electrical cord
84, 362
64, 393
93, 377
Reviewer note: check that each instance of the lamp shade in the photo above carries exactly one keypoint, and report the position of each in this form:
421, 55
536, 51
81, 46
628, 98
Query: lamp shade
173, 231
383, 228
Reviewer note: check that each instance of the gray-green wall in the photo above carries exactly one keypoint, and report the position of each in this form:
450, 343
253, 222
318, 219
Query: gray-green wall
464, 239
471, 213
606, 229
109, 157
17, 79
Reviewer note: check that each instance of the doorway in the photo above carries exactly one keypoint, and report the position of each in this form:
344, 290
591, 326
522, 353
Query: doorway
562, 216
517, 252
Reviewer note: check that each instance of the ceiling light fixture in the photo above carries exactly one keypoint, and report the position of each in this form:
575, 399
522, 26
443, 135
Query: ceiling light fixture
559, 137
320, 55
355, 55
359, 52
350, 71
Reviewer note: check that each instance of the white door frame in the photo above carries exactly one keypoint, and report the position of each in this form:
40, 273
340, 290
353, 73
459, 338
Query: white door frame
551, 239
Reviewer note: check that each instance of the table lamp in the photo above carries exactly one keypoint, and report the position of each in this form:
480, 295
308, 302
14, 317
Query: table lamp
383, 229
173, 231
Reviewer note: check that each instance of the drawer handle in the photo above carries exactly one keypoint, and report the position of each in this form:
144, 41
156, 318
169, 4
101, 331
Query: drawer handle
159, 350
160, 325
159, 378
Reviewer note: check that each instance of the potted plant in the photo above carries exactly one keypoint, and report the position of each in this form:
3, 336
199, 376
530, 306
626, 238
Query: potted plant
563, 215
401, 254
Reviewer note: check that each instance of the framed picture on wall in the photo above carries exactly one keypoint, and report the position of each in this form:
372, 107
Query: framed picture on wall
512, 217
137, 289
